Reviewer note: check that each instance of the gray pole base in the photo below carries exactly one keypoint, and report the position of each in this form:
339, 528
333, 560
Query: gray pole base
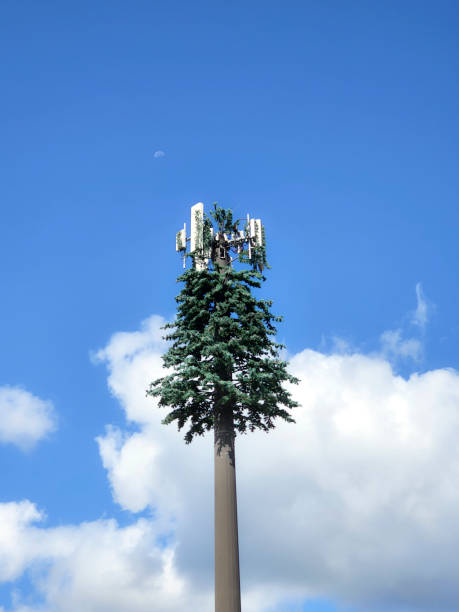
227, 582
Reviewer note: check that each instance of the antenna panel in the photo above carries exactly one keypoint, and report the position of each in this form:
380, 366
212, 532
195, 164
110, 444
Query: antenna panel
258, 232
197, 226
180, 239
197, 236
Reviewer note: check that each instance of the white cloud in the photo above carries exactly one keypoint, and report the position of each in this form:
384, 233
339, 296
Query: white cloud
362, 489
14, 519
24, 418
95, 567
131, 358
158, 154
357, 501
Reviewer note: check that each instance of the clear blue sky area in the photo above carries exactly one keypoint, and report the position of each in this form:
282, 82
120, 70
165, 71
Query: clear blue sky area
335, 122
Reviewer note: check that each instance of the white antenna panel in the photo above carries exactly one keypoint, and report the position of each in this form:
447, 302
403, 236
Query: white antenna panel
258, 232
180, 239
197, 226
197, 236
249, 229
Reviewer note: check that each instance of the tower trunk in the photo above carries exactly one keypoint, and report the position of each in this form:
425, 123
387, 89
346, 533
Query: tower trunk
227, 581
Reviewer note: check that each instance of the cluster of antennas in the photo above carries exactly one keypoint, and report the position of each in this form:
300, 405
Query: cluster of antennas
206, 244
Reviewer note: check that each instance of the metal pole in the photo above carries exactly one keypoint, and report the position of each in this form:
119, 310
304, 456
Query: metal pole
227, 579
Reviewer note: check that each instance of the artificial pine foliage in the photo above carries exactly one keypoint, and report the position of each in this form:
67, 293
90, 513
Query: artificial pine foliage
222, 356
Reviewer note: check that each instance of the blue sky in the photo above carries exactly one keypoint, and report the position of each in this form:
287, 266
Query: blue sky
336, 123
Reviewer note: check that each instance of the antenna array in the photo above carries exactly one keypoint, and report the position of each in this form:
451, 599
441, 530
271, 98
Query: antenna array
222, 244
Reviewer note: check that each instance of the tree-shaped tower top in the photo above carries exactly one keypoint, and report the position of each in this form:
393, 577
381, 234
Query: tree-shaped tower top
222, 359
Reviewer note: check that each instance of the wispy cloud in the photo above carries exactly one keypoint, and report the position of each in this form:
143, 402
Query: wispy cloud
158, 154
420, 315
399, 343
394, 345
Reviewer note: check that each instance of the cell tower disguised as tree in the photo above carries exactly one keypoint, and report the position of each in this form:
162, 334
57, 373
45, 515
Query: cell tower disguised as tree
225, 370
